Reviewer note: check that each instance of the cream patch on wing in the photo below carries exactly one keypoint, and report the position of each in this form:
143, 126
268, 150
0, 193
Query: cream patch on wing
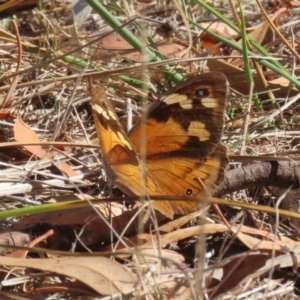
107, 114
119, 138
198, 129
187, 104
210, 102
174, 98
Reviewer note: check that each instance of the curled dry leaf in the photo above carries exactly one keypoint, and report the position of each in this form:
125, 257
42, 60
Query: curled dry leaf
100, 273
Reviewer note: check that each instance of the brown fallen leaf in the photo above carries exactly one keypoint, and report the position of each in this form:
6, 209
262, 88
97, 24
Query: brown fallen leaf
237, 79
273, 241
177, 223
243, 233
234, 269
261, 34
24, 133
219, 28
99, 273
291, 4
151, 254
246, 267
184, 233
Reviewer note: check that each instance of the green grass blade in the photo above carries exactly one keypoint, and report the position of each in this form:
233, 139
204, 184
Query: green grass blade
130, 37
257, 46
268, 64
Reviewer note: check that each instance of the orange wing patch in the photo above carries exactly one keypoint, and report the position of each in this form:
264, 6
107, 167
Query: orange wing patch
182, 143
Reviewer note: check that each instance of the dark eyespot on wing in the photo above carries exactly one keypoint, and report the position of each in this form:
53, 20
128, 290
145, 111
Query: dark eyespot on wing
189, 192
202, 92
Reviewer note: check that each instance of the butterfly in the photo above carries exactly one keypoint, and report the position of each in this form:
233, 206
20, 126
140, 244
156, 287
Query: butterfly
179, 143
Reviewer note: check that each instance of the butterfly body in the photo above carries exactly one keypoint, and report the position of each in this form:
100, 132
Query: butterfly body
181, 143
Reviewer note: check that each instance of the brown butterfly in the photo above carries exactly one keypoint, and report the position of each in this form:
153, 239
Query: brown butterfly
182, 133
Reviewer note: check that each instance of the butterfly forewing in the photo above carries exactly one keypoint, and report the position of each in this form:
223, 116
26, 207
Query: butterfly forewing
115, 145
188, 121
121, 160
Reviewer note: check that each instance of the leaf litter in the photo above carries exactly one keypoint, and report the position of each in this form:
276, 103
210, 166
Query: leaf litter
257, 249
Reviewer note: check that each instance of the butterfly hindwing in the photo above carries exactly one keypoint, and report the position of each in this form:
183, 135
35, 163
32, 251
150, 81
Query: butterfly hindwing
186, 178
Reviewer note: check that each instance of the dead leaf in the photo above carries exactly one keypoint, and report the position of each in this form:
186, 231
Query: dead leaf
281, 81
258, 35
23, 253
241, 231
99, 273
291, 4
24, 133
235, 269
72, 215
254, 243
184, 233
219, 28
177, 223
249, 266
237, 79
262, 34
151, 254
